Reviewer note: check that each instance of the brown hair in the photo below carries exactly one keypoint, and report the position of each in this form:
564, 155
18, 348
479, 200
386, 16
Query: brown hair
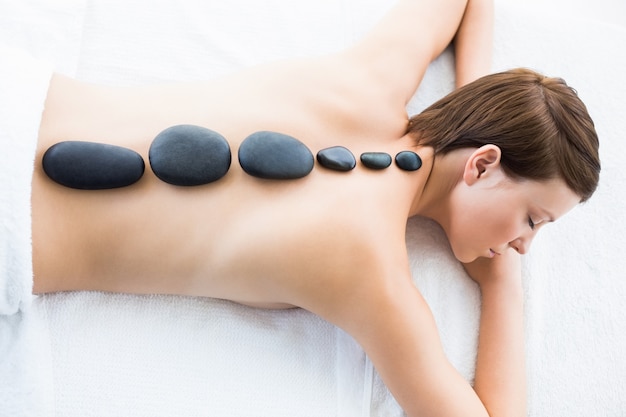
539, 123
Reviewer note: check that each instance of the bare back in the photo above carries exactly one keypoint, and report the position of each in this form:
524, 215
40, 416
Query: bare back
269, 243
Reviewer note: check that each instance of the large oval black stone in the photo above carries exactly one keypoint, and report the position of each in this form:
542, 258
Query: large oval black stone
408, 161
271, 155
376, 160
189, 155
92, 166
337, 158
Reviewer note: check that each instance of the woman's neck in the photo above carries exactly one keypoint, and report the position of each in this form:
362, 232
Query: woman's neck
434, 200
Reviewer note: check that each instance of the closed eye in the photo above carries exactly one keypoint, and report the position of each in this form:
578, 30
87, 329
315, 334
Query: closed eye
531, 223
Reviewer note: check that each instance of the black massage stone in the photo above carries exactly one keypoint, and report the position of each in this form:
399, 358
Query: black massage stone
337, 158
189, 155
376, 160
92, 166
271, 155
408, 161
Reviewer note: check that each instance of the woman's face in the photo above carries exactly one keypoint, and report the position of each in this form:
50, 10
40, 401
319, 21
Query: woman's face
491, 213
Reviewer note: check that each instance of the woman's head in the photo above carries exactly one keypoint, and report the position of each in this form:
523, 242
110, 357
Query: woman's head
539, 123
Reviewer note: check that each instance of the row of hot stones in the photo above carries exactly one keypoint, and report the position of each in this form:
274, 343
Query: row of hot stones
189, 155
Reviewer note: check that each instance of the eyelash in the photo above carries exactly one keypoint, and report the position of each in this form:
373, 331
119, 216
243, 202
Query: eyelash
531, 223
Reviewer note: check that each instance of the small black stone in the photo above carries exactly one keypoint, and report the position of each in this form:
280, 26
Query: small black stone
337, 158
189, 155
408, 161
376, 160
271, 155
92, 166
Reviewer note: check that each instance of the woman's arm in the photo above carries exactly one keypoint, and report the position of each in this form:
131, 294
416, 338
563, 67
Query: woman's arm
397, 52
500, 369
473, 42
413, 33
399, 334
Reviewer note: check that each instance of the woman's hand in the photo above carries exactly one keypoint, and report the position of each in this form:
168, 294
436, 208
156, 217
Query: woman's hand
502, 268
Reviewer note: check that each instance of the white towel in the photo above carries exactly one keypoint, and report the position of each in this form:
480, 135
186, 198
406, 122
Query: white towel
163, 356
23, 87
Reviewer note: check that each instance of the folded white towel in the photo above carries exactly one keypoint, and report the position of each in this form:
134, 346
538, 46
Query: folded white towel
23, 87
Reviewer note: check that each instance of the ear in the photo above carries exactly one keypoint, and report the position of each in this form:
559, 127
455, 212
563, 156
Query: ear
481, 163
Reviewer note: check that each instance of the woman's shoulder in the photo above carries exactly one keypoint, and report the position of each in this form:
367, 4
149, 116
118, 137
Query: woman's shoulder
337, 93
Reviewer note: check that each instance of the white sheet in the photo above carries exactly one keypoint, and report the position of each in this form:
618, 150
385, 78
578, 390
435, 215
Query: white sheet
163, 356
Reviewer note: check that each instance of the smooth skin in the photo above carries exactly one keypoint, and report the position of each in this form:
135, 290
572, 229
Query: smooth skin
332, 243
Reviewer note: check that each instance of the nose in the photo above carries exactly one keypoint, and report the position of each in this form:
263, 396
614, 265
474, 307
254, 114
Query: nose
520, 245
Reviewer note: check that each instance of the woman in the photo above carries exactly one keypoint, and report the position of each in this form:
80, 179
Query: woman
332, 243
